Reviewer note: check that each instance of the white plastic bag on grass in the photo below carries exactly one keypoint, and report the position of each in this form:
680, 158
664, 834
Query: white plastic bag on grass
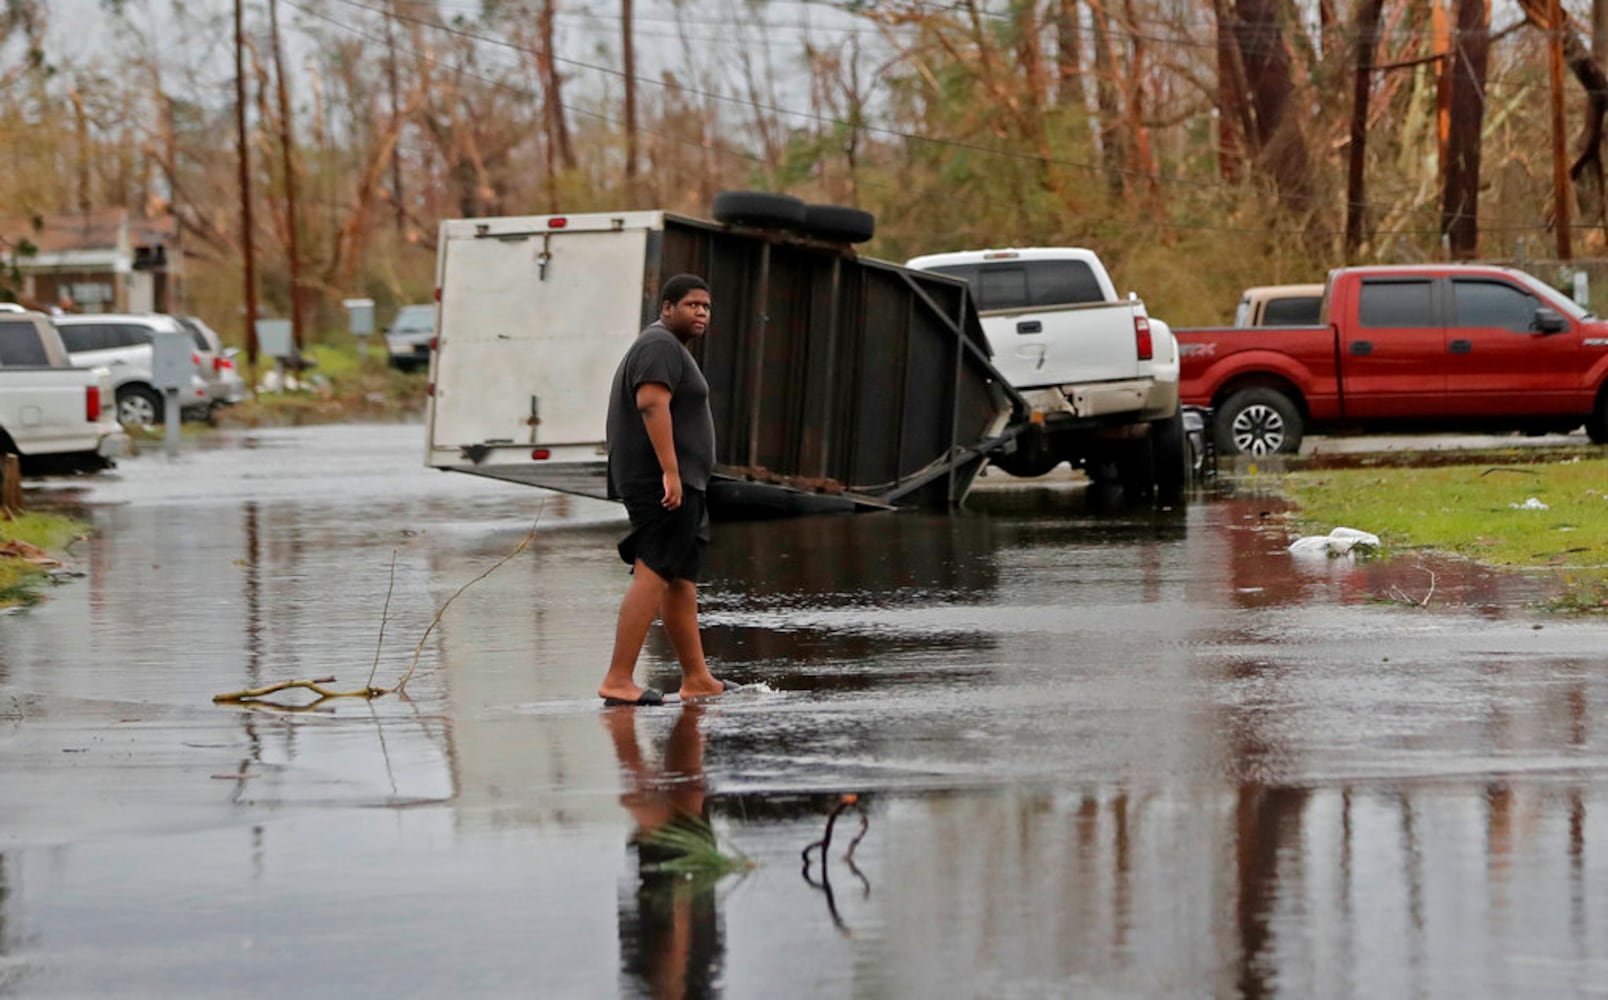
1339, 542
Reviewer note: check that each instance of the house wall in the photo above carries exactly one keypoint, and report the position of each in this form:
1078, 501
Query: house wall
89, 291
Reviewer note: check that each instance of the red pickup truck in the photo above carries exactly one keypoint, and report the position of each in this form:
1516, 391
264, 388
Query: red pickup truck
1423, 346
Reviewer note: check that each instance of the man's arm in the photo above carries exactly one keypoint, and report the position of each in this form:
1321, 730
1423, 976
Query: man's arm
653, 402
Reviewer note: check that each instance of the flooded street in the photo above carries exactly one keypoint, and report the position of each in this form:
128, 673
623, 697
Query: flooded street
1100, 752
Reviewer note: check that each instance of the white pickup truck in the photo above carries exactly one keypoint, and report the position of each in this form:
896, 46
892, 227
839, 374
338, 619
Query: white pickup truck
1100, 374
54, 416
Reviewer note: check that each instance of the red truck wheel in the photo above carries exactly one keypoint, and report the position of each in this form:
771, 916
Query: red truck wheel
1597, 423
1257, 422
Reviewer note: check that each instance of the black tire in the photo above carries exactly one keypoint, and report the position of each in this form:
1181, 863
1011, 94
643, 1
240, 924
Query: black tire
839, 224
1169, 455
759, 209
1257, 422
1033, 456
139, 406
1597, 423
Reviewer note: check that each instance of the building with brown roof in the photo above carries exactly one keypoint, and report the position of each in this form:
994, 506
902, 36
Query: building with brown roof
100, 261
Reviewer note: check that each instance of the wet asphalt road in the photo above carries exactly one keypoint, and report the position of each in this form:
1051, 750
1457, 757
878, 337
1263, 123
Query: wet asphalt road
1102, 752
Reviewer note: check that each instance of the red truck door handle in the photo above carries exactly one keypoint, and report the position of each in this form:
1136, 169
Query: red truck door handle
1461, 346
1362, 347
1029, 326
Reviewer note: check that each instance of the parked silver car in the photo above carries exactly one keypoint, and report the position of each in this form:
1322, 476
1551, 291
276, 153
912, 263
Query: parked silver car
122, 344
409, 337
225, 387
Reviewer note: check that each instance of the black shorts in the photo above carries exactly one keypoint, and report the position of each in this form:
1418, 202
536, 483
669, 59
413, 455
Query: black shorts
669, 542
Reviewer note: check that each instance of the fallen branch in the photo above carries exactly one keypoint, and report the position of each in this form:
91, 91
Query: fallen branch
369, 691
1400, 596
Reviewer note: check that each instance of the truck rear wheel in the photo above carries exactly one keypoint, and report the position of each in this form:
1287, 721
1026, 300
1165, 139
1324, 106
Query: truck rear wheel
1257, 422
1033, 455
1597, 423
1169, 453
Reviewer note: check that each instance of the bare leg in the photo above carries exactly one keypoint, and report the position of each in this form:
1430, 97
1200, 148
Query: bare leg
637, 611
679, 613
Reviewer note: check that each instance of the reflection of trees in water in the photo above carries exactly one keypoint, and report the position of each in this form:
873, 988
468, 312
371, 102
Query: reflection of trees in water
866, 562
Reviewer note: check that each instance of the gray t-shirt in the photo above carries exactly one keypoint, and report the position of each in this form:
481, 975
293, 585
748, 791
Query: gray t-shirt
657, 356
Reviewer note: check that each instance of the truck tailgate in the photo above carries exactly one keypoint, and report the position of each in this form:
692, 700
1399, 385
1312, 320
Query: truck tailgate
1093, 342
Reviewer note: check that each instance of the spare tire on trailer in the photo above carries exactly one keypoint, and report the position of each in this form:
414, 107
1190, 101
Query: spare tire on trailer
839, 224
759, 209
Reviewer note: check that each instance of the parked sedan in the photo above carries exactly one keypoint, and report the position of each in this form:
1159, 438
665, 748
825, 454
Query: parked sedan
408, 338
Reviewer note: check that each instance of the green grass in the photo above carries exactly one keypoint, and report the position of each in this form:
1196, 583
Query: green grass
1469, 510
343, 386
19, 580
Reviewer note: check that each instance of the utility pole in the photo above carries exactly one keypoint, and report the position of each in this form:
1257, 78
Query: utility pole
1560, 157
244, 163
628, 55
1356, 176
287, 150
396, 148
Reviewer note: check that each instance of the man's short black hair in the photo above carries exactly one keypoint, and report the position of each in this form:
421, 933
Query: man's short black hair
677, 288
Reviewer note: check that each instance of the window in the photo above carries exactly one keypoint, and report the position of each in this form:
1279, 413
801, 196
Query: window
128, 335
20, 344
1062, 283
1001, 287
1492, 304
83, 336
1021, 284
1295, 310
197, 336
1396, 303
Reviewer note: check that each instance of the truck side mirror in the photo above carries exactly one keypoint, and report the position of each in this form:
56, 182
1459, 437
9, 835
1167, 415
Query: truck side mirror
1549, 320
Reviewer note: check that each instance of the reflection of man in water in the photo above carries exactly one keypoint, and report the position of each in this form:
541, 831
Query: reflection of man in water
670, 944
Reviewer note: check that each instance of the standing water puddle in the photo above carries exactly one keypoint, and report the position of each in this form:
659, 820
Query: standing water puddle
1098, 752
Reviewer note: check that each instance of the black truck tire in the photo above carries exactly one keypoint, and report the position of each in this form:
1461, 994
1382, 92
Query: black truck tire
839, 223
1597, 423
759, 209
1169, 455
1033, 456
1257, 422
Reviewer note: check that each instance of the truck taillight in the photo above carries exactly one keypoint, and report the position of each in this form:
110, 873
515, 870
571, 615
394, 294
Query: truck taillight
92, 403
1141, 337
540, 454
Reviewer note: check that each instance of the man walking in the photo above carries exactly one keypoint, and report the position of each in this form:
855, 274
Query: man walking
661, 448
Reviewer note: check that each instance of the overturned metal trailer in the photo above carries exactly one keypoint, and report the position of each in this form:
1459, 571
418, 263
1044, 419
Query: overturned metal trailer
837, 382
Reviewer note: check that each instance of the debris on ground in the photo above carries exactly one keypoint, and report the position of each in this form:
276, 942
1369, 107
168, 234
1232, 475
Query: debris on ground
1339, 543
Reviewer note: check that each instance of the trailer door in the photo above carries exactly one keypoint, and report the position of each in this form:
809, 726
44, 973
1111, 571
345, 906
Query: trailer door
531, 327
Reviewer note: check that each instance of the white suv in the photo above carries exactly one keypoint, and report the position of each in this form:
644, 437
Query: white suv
122, 343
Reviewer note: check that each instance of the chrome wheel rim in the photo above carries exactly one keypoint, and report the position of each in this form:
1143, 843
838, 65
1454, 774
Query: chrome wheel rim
1258, 430
136, 410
